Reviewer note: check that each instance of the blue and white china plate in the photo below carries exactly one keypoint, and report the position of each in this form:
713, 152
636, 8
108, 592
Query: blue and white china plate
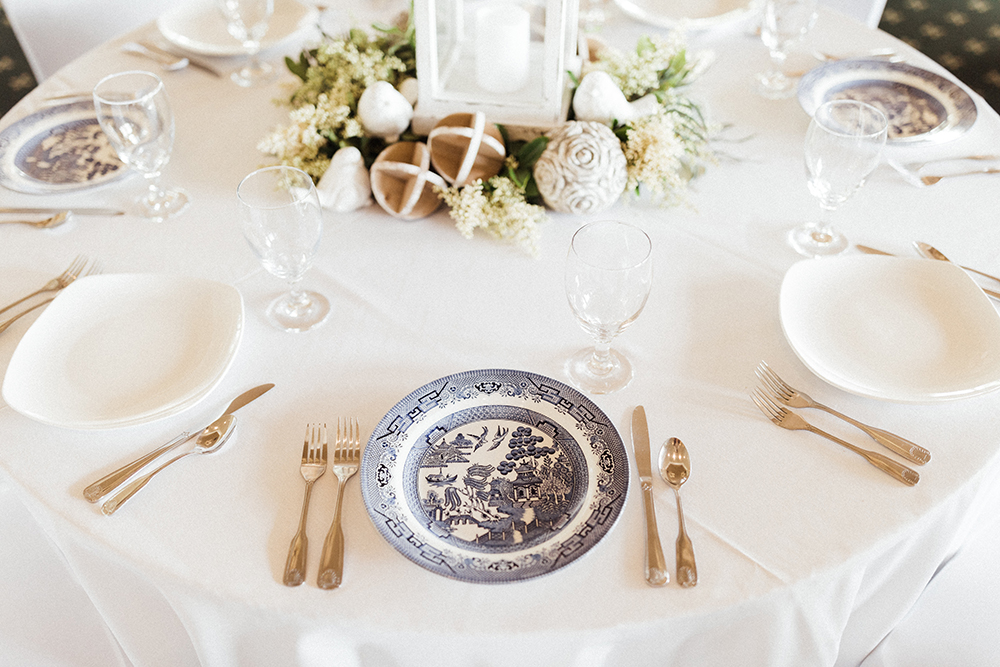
57, 149
119, 350
494, 476
893, 328
921, 106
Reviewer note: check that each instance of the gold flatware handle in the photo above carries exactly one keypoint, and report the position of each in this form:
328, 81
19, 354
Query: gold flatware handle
331, 564
898, 444
896, 469
127, 491
109, 482
6, 325
687, 571
295, 564
655, 565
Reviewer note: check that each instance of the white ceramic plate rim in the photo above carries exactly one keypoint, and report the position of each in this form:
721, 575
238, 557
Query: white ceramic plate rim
199, 27
385, 482
842, 318
41, 121
816, 85
641, 10
171, 339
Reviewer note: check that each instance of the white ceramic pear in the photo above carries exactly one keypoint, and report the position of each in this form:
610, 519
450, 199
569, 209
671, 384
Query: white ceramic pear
384, 111
345, 185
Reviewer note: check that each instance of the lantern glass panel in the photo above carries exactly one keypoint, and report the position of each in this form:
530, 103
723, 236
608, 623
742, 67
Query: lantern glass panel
489, 50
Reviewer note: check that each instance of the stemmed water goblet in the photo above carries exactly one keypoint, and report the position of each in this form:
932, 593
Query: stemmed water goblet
281, 218
843, 146
783, 23
609, 271
247, 21
134, 113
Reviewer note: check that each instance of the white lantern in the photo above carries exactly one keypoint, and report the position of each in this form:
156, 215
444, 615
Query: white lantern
508, 59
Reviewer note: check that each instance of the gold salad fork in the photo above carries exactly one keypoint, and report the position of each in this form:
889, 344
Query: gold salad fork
791, 421
57, 283
63, 281
313, 467
791, 397
346, 461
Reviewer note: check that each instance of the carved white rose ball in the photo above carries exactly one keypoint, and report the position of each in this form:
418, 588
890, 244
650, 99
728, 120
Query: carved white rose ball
583, 169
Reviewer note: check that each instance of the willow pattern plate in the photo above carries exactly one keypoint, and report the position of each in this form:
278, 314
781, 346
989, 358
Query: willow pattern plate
920, 105
57, 149
493, 476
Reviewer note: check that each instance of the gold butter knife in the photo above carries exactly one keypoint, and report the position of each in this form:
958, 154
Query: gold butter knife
873, 251
656, 567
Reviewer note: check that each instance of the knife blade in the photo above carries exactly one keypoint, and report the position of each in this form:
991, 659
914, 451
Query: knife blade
109, 482
75, 211
655, 565
872, 251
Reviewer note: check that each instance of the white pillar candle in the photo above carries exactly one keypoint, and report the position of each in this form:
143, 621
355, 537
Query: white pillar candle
503, 33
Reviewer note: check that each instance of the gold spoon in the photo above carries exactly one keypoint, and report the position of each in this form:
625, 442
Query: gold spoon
48, 223
675, 468
212, 438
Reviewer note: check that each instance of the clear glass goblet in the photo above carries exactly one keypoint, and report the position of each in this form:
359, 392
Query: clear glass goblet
843, 146
247, 21
281, 218
609, 271
783, 23
134, 113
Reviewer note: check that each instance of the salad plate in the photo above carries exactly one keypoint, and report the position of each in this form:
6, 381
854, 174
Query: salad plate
687, 14
894, 328
57, 149
199, 26
494, 476
119, 350
921, 106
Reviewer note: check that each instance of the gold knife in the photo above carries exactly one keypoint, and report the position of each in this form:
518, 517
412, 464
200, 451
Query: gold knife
75, 211
656, 567
872, 251
109, 482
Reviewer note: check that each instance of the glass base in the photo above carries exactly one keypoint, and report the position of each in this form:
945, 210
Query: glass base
255, 73
297, 316
163, 204
775, 85
585, 375
813, 240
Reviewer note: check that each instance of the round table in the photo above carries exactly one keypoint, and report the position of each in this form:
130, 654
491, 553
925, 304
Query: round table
806, 554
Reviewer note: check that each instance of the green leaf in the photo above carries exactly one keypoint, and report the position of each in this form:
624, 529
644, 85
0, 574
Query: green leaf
299, 68
528, 155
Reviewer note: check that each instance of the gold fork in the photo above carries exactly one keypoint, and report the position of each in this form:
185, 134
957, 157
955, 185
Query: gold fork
64, 279
346, 461
797, 399
791, 421
313, 467
56, 283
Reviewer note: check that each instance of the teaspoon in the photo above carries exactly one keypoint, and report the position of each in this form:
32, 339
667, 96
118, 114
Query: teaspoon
48, 223
675, 468
212, 438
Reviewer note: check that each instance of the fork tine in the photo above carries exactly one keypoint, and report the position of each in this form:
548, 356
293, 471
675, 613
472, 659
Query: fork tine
305, 448
75, 266
782, 387
324, 459
766, 405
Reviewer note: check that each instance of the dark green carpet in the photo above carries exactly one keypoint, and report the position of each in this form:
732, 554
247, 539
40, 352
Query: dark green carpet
962, 35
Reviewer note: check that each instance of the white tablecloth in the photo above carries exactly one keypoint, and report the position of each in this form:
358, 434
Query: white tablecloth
806, 554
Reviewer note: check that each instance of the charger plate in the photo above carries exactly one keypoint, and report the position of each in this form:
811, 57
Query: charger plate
120, 350
57, 149
199, 26
687, 14
921, 106
893, 328
494, 476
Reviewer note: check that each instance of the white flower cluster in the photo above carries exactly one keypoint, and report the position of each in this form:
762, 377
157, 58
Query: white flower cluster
498, 207
638, 72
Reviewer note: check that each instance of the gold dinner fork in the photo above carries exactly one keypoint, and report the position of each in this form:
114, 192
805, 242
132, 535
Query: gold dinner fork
797, 399
57, 283
346, 461
64, 279
791, 421
313, 467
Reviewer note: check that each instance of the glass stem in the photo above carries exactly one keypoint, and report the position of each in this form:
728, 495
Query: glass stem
601, 362
823, 233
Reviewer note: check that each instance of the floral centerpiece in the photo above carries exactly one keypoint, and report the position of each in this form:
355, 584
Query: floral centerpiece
661, 134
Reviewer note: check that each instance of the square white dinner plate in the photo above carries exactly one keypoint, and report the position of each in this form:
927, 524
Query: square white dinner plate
900, 329
120, 350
